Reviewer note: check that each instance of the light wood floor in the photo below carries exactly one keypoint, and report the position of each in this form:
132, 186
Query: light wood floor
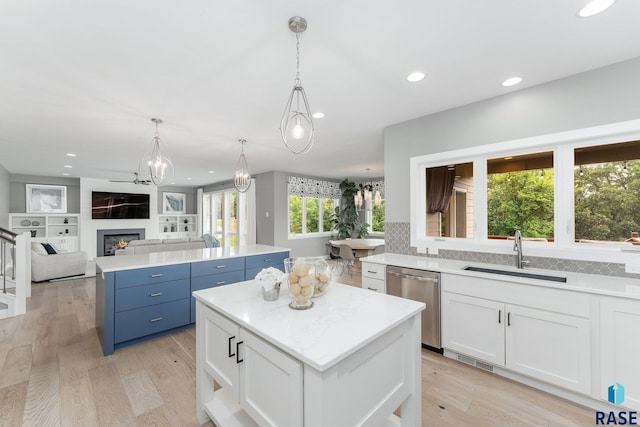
53, 374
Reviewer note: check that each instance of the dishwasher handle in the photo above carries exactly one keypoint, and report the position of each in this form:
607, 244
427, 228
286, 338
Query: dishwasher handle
420, 278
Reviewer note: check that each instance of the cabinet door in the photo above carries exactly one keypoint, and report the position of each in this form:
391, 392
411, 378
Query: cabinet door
222, 338
619, 348
264, 369
473, 326
552, 347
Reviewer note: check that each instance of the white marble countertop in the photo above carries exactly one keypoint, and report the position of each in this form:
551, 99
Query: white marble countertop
340, 322
154, 259
590, 283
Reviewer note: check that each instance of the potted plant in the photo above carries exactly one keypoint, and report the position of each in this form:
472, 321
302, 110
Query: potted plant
346, 220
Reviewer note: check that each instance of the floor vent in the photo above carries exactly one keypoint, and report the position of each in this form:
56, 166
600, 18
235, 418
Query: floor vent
473, 362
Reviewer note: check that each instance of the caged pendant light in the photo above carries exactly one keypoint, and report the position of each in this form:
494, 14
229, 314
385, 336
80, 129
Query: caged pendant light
242, 177
296, 126
157, 164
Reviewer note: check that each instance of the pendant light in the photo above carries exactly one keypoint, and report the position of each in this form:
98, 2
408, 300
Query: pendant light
242, 177
377, 199
296, 126
158, 165
357, 199
368, 187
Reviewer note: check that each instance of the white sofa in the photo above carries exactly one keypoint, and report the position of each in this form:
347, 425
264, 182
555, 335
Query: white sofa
162, 245
46, 266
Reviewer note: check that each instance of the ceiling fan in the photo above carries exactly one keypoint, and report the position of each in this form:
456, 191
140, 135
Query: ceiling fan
136, 180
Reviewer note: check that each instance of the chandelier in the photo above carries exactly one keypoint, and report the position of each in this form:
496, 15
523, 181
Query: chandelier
296, 126
159, 166
242, 177
366, 195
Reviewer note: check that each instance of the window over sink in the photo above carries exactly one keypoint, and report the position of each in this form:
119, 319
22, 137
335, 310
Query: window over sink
572, 195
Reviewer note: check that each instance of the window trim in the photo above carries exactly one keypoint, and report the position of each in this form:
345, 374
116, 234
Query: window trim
562, 144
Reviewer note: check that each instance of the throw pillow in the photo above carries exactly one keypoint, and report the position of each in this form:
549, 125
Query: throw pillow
38, 248
50, 250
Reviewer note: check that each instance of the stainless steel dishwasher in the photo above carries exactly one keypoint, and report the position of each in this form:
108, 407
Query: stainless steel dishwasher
423, 286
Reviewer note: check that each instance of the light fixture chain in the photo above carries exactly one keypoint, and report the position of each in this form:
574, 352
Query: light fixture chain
298, 81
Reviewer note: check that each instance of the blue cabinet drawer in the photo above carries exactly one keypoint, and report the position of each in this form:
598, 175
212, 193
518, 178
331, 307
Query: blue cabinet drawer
204, 268
149, 320
213, 280
266, 260
142, 276
154, 293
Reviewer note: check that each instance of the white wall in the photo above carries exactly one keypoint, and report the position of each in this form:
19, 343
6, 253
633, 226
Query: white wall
606, 95
89, 227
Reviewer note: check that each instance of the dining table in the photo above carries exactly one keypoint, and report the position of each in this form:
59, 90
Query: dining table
360, 247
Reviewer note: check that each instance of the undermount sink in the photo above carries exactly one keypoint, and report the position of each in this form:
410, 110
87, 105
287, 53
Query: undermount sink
526, 274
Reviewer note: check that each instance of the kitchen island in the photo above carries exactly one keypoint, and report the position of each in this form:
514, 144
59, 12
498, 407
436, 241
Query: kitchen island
351, 359
140, 297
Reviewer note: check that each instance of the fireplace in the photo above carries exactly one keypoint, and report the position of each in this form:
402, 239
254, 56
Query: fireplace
109, 240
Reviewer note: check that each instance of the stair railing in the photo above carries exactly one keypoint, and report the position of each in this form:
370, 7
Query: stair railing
7, 238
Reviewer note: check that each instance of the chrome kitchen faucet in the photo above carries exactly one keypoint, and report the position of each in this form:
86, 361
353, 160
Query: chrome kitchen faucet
517, 246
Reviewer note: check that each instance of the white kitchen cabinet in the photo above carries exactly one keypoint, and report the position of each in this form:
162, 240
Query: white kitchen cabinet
248, 369
520, 327
620, 347
373, 277
552, 347
473, 326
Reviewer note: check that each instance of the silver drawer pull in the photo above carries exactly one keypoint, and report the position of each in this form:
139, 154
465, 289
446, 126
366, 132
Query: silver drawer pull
221, 266
157, 275
374, 272
221, 283
267, 260
372, 289
157, 319
157, 294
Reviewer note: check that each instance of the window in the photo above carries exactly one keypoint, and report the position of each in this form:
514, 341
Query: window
377, 218
520, 196
606, 189
449, 201
574, 195
295, 215
221, 217
306, 217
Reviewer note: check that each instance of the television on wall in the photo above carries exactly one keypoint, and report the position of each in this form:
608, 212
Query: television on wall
106, 205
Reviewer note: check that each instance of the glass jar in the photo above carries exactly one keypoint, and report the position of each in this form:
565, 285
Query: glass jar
307, 277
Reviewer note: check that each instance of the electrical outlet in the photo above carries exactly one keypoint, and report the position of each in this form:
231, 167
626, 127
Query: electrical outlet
433, 251
421, 249
632, 268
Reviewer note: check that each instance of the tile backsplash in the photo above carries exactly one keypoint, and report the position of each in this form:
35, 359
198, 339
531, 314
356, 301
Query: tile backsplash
397, 240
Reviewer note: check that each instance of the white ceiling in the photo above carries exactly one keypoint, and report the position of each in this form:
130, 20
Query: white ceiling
87, 76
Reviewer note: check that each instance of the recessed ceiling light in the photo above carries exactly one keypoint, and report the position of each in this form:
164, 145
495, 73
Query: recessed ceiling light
68, 166
189, 178
211, 172
594, 7
318, 115
415, 77
71, 154
65, 174
512, 81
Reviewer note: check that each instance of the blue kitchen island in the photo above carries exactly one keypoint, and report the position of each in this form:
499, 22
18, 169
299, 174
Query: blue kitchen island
141, 297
